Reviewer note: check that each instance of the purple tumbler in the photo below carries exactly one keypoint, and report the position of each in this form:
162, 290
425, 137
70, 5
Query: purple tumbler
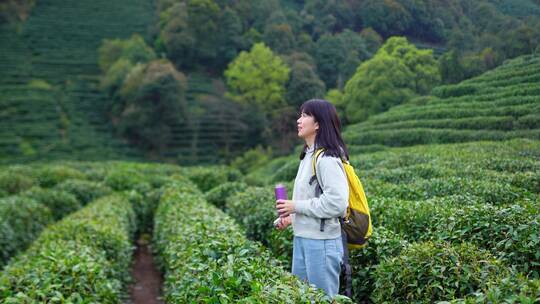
281, 192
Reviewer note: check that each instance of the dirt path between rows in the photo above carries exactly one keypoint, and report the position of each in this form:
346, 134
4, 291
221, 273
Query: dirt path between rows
146, 288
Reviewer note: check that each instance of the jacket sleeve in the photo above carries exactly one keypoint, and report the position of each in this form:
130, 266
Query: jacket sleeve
335, 197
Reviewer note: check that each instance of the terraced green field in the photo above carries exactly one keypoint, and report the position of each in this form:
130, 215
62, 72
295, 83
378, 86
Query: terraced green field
462, 219
51, 106
500, 104
50, 103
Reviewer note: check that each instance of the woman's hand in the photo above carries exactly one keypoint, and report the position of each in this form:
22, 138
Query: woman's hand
285, 207
284, 222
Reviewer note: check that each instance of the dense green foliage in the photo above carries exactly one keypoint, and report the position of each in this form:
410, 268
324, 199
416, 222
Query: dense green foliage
85, 191
396, 73
85, 257
22, 220
258, 78
148, 95
428, 272
203, 81
218, 195
177, 108
482, 194
194, 239
50, 104
475, 203
497, 105
209, 177
61, 203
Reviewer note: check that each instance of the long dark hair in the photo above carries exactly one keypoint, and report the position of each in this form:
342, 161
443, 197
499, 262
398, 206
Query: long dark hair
329, 133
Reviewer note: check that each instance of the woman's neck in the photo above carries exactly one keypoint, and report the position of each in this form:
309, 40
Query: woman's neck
310, 141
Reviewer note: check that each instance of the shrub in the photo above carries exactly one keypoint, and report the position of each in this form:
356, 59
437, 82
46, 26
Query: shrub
210, 177
144, 205
263, 174
61, 203
514, 288
13, 182
287, 172
382, 245
85, 191
65, 272
50, 175
508, 232
252, 159
21, 221
445, 91
280, 243
218, 195
530, 121
254, 209
527, 180
120, 179
84, 257
427, 272
485, 190
108, 223
207, 258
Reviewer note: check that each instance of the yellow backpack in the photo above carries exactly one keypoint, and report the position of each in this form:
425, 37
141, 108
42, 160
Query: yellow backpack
357, 222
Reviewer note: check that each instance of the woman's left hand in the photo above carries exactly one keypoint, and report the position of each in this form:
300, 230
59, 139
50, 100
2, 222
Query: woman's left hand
285, 207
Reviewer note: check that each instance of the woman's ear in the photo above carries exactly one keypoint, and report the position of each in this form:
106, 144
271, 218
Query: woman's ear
316, 126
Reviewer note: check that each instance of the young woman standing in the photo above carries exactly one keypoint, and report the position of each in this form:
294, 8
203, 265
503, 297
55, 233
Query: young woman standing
317, 203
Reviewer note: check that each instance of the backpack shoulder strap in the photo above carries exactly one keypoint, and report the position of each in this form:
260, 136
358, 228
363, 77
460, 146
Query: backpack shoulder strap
314, 160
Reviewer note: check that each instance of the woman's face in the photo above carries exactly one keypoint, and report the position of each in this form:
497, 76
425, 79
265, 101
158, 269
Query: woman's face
306, 126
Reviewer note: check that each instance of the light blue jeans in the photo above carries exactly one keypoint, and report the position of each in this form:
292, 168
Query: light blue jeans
318, 262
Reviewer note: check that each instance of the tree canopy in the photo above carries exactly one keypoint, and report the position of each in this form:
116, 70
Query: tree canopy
397, 72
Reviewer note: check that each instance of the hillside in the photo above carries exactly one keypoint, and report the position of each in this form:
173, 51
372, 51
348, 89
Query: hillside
50, 105
216, 131
501, 104
519, 8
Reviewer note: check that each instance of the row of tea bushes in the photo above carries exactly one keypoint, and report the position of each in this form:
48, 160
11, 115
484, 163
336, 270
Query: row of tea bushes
208, 177
38, 195
510, 289
84, 258
21, 221
253, 209
510, 232
25, 215
18, 178
429, 272
424, 136
84, 190
61, 203
482, 193
218, 195
426, 181
432, 274
383, 244
207, 258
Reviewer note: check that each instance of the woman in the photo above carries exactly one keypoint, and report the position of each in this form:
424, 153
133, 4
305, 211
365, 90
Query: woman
314, 214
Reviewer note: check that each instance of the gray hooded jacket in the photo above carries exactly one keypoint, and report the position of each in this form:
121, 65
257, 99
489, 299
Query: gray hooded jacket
330, 205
